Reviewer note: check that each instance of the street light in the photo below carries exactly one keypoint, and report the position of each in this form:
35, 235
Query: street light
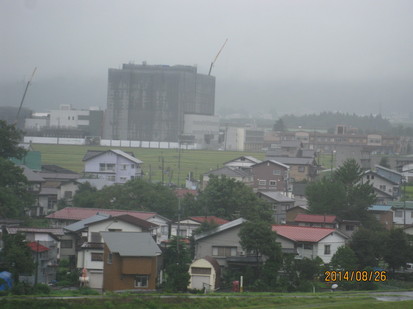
332, 157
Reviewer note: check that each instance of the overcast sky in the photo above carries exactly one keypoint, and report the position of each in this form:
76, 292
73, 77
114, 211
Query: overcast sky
282, 56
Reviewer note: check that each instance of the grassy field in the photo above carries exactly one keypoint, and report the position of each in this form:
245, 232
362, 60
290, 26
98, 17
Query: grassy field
125, 302
195, 161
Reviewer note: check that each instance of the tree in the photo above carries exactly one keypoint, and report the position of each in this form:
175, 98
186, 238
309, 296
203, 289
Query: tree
10, 138
344, 195
397, 251
135, 194
384, 161
344, 259
14, 196
230, 199
279, 125
258, 238
16, 255
368, 246
176, 263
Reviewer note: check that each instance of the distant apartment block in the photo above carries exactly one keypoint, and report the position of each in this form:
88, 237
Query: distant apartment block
149, 102
66, 122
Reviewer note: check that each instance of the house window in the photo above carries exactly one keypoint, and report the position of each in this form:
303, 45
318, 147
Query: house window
411, 214
141, 281
164, 230
182, 233
106, 167
96, 257
132, 166
224, 251
51, 202
383, 187
308, 246
398, 214
110, 258
67, 243
273, 183
262, 182
111, 177
115, 230
200, 270
327, 249
95, 237
276, 172
301, 169
68, 194
349, 227
123, 167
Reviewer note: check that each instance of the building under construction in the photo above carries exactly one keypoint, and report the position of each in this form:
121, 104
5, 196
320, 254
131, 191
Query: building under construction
148, 102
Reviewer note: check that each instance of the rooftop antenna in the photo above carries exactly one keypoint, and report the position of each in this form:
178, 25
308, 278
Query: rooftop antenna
216, 57
24, 94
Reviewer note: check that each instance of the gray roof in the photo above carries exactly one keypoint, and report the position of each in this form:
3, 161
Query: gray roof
274, 162
131, 243
221, 228
244, 158
31, 176
229, 172
94, 153
379, 208
276, 196
80, 225
292, 161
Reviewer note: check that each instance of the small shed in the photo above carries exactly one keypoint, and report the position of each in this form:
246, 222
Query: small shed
205, 274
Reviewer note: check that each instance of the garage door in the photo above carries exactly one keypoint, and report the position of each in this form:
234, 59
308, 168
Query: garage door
199, 282
96, 279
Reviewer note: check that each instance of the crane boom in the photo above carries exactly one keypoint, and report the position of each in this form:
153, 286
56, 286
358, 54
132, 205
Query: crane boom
216, 57
24, 94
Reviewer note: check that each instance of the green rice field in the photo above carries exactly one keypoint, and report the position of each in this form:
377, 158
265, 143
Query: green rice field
195, 161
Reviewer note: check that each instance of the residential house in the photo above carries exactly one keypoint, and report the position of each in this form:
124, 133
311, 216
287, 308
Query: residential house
205, 274
35, 183
233, 173
90, 253
390, 174
222, 244
45, 246
293, 212
386, 189
69, 215
270, 175
403, 213
328, 221
407, 172
131, 261
191, 224
347, 227
301, 169
310, 242
383, 214
279, 202
59, 185
243, 162
113, 165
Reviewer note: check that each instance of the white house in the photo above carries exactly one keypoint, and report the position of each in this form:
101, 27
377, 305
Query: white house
113, 165
310, 242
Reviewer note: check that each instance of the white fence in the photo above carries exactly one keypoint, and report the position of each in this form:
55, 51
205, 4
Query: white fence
108, 143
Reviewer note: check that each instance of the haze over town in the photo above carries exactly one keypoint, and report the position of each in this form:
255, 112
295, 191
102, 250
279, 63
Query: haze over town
281, 56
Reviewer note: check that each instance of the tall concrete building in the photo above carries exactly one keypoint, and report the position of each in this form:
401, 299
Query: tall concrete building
148, 102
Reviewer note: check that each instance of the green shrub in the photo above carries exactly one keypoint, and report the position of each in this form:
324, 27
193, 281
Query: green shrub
41, 288
22, 288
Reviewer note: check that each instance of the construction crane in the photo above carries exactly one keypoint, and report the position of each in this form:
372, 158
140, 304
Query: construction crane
216, 57
24, 94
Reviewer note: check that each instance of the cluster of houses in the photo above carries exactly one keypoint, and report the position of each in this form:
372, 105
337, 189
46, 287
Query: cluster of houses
122, 249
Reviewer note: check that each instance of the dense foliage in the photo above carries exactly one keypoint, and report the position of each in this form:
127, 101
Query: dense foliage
344, 194
14, 195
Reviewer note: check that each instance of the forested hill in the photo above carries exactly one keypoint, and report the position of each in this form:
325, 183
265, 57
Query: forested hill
329, 120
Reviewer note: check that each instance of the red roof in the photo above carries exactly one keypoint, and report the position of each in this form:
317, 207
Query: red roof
77, 213
36, 247
315, 218
182, 192
302, 233
210, 219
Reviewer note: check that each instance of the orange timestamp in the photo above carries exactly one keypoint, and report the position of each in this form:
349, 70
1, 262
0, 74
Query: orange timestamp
355, 275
